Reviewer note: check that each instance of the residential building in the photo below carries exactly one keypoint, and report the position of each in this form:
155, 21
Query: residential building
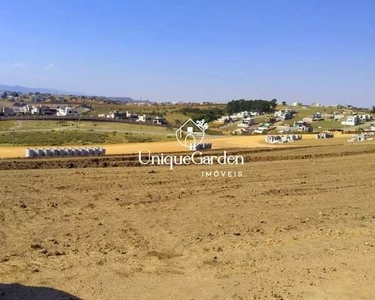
301, 126
351, 121
66, 111
6, 111
366, 118
284, 114
159, 120
144, 118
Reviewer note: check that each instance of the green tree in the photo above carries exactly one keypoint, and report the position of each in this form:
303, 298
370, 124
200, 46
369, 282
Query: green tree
261, 106
273, 103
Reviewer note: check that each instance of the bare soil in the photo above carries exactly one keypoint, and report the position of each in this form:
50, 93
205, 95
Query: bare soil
223, 142
298, 224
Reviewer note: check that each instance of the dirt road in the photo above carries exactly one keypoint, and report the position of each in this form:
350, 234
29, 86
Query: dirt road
218, 143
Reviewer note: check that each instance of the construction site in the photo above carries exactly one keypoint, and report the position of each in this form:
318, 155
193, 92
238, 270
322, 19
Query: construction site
297, 224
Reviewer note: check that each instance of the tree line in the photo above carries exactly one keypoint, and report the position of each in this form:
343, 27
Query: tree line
260, 106
234, 106
208, 115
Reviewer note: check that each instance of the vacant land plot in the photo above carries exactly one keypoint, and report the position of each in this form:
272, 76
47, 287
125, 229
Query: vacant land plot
170, 112
224, 142
77, 137
290, 228
20, 125
58, 133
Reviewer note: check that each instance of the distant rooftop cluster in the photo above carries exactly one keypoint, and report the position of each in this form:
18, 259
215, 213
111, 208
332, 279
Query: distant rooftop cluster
52, 97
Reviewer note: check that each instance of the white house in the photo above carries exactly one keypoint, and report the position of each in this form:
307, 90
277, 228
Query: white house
41, 110
234, 118
351, 121
116, 115
111, 115
284, 114
66, 111
223, 120
144, 118
159, 120
338, 117
34, 110
366, 118
301, 126
25, 109
249, 121
243, 114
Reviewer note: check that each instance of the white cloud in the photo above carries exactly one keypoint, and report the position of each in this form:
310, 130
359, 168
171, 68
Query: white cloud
14, 66
49, 66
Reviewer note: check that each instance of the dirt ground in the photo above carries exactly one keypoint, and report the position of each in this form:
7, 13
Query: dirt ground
217, 142
299, 225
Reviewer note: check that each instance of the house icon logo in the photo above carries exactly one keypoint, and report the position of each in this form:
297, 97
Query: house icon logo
191, 134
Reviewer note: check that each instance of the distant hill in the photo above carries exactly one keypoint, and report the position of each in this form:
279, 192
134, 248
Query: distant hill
23, 89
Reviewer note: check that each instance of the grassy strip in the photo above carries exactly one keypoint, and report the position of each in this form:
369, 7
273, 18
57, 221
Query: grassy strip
75, 137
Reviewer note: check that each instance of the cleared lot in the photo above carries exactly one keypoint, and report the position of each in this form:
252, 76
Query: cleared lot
223, 142
290, 228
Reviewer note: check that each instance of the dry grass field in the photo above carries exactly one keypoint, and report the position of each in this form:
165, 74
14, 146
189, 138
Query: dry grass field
299, 224
172, 146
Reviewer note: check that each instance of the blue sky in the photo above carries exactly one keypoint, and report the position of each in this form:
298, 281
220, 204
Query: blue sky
309, 51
